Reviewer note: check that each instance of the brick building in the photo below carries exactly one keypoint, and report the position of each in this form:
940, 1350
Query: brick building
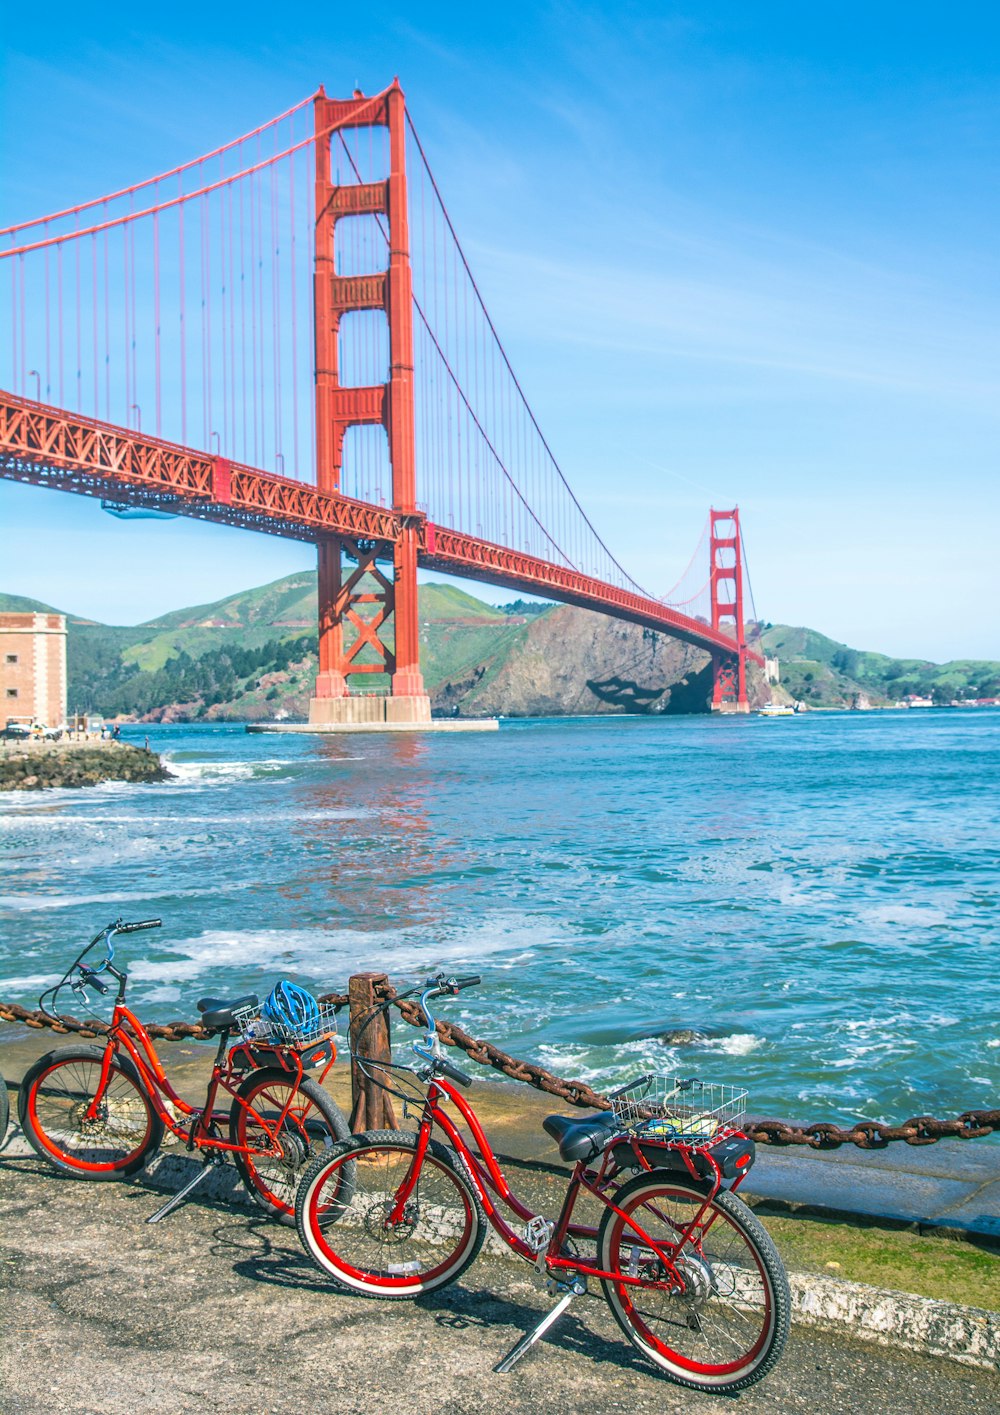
33, 668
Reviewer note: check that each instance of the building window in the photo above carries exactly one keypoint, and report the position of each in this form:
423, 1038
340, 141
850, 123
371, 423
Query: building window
12, 692
12, 658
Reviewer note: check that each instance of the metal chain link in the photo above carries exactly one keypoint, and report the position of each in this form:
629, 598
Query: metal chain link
66, 1025
820, 1135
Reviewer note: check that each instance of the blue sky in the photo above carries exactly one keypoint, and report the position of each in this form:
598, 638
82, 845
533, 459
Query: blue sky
735, 252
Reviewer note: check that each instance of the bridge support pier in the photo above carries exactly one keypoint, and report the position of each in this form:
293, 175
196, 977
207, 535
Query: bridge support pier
371, 603
729, 690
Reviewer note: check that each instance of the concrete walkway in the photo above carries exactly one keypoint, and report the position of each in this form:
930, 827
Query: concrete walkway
218, 1311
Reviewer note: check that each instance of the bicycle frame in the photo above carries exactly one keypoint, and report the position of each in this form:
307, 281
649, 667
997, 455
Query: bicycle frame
487, 1178
128, 1034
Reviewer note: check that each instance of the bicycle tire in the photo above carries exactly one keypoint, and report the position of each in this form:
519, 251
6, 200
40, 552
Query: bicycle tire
313, 1124
53, 1096
735, 1272
443, 1229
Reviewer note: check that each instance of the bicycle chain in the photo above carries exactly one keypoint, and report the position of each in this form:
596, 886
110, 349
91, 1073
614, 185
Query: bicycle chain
819, 1135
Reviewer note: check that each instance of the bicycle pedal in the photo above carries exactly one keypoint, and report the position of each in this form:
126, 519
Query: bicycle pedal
538, 1233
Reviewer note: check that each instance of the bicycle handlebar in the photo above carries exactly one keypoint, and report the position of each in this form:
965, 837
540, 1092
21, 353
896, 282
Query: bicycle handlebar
89, 978
442, 986
448, 1069
88, 973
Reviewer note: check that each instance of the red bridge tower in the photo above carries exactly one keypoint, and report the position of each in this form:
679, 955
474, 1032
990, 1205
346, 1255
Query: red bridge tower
729, 670
391, 405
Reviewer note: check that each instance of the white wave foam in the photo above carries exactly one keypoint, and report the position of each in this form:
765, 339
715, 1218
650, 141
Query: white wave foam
120, 901
739, 1044
188, 772
917, 914
33, 980
327, 956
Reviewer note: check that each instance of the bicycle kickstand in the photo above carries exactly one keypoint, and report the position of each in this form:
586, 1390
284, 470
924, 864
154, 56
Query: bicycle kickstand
177, 1199
576, 1289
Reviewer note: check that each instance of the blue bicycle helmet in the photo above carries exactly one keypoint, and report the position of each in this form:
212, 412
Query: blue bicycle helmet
291, 1009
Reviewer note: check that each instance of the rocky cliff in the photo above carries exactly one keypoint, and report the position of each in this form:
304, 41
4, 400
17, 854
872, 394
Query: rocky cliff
569, 661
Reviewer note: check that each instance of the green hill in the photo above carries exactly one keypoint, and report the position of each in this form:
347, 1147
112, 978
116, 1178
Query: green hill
20, 604
253, 654
250, 654
824, 673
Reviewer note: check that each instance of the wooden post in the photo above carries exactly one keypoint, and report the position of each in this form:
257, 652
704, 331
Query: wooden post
371, 1105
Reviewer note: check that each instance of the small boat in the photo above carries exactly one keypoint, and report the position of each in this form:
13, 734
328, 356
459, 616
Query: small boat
777, 710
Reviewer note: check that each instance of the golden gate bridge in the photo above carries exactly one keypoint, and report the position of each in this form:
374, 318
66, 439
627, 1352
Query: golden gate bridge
168, 330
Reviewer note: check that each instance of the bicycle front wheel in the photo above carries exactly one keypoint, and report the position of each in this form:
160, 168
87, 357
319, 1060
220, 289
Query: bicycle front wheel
57, 1111
727, 1327
312, 1126
345, 1215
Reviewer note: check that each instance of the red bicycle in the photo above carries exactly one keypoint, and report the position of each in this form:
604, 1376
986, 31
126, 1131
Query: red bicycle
692, 1277
101, 1112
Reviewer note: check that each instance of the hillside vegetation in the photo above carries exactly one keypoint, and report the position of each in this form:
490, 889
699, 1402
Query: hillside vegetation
824, 673
252, 656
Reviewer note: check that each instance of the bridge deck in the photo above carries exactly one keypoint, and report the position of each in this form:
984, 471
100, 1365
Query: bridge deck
65, 451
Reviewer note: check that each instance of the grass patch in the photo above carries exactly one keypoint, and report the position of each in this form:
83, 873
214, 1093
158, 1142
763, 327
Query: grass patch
949, 1269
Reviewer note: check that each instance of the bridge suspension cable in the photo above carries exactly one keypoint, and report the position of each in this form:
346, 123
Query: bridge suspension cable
182, 306
524, 454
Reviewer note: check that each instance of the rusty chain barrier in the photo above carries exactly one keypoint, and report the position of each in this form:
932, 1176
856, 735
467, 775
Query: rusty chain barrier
65, 1025
819, 1135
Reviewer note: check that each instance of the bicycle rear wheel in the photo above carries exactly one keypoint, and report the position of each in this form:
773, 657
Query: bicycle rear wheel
53, 1104
728, 1326
437, 1235
313, 1124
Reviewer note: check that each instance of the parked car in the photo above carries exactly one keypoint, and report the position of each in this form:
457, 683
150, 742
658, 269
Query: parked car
18, 729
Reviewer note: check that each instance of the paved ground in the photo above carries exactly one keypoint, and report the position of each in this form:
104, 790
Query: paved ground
217, 1311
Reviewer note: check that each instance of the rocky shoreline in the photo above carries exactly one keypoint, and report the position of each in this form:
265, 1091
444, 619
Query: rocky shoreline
33, 767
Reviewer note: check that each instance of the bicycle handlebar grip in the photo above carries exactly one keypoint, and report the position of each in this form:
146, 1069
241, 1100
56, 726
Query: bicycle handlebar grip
140, 924
453, 1072
91, 979
471, 980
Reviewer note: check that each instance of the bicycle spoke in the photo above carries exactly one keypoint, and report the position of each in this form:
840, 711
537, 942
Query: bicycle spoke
377, 1229
77, 1125
719, 1318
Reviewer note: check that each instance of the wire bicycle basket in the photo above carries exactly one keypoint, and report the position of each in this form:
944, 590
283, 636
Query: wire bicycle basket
255, 1028
674, 1108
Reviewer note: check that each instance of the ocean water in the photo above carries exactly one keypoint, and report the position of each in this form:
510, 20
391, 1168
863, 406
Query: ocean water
808, 906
